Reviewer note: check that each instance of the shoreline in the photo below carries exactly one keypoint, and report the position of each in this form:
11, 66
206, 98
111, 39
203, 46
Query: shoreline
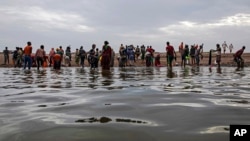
226, 60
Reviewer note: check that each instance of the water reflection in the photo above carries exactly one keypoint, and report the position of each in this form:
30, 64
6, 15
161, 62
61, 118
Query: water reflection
171, 73
107, 76
185, 72
133, 99
107, 119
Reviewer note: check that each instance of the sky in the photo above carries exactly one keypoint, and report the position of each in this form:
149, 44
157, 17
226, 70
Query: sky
55, 23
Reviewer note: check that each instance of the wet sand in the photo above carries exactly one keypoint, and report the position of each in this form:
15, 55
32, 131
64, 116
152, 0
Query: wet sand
227, 60
133, 104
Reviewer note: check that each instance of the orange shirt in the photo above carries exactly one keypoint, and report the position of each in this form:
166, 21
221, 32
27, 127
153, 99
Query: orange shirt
57, 57
27, 50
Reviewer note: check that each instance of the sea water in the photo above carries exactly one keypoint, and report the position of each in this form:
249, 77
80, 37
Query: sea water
129, 104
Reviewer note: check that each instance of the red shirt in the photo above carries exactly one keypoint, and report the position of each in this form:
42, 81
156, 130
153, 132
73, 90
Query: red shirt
150, 50
27, 50
170, 50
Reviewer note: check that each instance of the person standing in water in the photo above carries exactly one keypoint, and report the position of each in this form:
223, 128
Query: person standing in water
106, 56
171, 55
184, 56
218, 54
82, 55
6, 56
57, 59
51, 54
40, 56
77, 57
27, 55
237, 57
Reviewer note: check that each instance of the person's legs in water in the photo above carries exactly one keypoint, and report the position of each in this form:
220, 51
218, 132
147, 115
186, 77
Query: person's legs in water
170, 59
29, 62
25, 62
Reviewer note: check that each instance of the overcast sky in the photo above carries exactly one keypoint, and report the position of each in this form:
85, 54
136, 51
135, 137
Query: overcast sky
149, 22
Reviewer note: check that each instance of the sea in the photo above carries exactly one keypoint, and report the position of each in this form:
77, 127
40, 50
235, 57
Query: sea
123, 104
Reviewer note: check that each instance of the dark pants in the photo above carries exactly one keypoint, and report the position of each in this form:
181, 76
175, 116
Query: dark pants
6, 59
39, 61
50, 60
82, 61
27, 59
57, 65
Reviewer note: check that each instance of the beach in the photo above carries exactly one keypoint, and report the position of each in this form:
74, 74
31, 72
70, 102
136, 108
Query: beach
226, 60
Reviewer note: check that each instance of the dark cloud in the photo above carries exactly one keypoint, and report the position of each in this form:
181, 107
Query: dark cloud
83, 22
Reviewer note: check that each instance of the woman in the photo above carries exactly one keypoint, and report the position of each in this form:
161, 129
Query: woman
106, 56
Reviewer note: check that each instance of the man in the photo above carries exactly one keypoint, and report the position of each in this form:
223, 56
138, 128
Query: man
137, 52
82, 54
57, 59
67, 58
171, 54
6, 56
224, 46
184, 56
237, 57
51, 55
218, 54
77, 57
181, 48
61, 53
91, 57
40, 56
231, 47
27, 55
15, 55
143, 51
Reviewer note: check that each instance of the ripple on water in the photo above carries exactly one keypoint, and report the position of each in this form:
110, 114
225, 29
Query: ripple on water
152, 101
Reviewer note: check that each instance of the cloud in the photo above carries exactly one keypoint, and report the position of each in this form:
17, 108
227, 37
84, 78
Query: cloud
240, 20
37, 18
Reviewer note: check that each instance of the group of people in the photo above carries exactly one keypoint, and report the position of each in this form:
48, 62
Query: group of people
128, 55
26, 58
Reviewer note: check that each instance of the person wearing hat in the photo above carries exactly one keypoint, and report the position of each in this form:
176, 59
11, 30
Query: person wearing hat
106, 56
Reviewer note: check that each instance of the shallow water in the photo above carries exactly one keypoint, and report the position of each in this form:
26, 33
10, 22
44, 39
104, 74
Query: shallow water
146, 104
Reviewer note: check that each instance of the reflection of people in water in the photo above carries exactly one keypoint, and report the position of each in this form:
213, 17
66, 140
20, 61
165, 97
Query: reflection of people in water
107, 76
170, 73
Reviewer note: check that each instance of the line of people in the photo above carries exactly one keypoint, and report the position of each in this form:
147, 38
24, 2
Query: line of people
128, 55
25, 58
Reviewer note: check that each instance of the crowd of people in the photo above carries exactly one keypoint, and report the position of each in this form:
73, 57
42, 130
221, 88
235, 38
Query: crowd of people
128, 55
